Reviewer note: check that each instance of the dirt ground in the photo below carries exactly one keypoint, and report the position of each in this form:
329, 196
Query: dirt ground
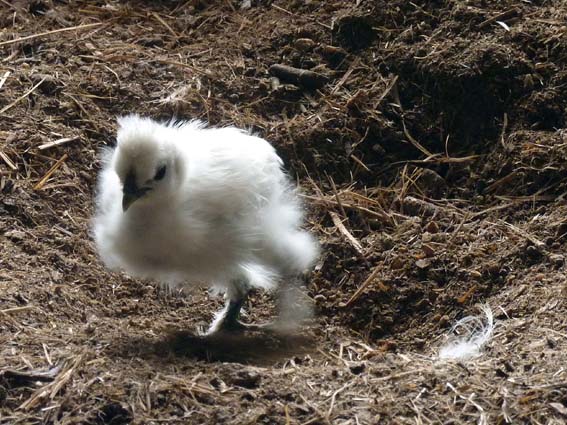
432, 163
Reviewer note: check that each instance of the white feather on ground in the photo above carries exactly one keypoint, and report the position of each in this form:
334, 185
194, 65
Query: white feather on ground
188, 205
468, 336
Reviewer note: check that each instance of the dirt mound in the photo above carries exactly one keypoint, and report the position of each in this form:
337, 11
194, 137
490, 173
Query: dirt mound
432, 164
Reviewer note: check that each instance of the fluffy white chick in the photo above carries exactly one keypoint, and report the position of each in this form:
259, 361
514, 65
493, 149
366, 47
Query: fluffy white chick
189, 205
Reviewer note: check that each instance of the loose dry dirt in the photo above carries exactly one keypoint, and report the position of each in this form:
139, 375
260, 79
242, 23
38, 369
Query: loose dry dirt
432, 160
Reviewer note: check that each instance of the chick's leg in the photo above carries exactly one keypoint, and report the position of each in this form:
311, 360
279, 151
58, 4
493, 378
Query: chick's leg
227, 318
293, 306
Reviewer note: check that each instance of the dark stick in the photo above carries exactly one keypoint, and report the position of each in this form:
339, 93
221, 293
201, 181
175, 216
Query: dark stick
299, 77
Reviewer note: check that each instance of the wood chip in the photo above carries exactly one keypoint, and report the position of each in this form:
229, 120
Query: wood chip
467, 295
559, 408
57, 142
8, 161
349, 237
423, 263
4, 78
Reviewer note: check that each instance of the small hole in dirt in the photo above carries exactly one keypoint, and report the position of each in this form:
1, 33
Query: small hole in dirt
38, 8
355, 32
113, 414
28, 50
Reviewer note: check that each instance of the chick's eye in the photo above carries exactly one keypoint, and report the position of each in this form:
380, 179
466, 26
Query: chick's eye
160, 174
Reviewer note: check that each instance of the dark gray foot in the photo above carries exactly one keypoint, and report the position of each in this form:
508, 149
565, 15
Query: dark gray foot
226, 320
236, 327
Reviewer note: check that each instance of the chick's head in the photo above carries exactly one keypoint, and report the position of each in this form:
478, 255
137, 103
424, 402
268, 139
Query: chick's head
145, 161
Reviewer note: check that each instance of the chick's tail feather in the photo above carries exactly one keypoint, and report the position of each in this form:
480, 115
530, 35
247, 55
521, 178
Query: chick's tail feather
297, 249
296, 252
258, 276
294, 249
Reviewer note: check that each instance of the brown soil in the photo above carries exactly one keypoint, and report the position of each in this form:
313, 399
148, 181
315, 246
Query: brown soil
441, 126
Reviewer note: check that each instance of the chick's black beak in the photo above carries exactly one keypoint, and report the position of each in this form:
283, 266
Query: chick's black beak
127, 200
130, 192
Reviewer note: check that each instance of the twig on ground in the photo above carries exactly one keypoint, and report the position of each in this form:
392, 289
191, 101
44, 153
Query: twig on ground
17, 309
437, 159
165, 24
422, 208
21, 378
524, 234
334, 396
49, 173
22, 97
299, 77
359, 162
510, 13
50, 390
362, 287
384, 218
346, 76
386, 92
503, 133
414, 142
4, 78
57, 142
281, 9
336, 194
349, 237
287, 417
8, 161
42, 34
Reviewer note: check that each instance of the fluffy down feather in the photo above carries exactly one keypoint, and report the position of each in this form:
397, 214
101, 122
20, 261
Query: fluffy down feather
212, 207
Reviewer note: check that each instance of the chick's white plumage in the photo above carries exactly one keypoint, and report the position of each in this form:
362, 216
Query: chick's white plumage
186, 205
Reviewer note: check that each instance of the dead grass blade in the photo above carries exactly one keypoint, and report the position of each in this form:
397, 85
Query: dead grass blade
510, 13
362, 287
4, 78
414, 142
43, 34
8, 161
52, 389
22, 97
52, 170
165, 24
382, 217
17, 309
57, 142
386, 92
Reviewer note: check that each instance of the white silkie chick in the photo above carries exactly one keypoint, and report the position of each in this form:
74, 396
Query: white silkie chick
189, 205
